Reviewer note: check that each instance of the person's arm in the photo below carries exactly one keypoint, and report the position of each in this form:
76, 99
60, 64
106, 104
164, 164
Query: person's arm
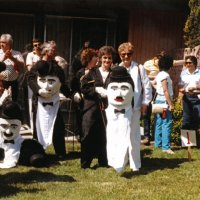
166, 93
147, 89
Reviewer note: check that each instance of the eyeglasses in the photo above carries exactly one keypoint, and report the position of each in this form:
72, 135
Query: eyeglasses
188, 63
37, 45
126, 54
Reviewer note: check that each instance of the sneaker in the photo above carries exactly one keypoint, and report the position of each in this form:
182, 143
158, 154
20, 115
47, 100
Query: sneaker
169, 151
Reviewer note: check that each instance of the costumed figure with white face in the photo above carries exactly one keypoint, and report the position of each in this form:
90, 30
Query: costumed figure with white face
47, 79
119, 113
13, 148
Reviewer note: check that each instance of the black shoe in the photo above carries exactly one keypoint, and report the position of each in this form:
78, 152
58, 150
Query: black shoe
62, 157
85, 165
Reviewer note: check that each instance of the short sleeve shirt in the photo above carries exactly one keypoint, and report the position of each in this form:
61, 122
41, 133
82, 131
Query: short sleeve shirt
159, 89
188, 79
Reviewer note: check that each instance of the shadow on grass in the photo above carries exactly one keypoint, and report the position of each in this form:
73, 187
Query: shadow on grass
150, 164
33, 176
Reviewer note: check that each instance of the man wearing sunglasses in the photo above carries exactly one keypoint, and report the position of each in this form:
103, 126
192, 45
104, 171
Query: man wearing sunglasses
35, 55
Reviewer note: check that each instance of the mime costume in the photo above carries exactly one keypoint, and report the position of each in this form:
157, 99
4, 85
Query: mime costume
47, 80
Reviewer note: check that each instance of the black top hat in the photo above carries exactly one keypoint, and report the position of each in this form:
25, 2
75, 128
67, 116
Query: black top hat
45, 68
120, 74
10, 110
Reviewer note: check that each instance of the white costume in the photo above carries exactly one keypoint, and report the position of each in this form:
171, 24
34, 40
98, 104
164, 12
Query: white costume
11, 152
120, 138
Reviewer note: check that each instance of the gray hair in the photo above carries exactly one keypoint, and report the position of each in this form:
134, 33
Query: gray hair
7, 37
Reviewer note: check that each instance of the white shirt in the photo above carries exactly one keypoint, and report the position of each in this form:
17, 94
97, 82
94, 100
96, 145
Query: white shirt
32, 58
159, 89
140, 98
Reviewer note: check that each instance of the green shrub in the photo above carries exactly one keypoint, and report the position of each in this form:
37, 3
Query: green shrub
177, 122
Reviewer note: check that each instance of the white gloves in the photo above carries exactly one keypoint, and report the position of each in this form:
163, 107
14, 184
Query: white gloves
78, 97
101, 91
6, 94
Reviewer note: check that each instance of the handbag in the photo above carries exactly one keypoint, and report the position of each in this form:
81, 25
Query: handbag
156, 107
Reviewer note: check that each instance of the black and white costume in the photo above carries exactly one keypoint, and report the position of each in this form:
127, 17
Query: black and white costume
15, 149
47, 80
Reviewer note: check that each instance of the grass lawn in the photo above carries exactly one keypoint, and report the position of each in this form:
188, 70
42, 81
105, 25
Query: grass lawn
162, 177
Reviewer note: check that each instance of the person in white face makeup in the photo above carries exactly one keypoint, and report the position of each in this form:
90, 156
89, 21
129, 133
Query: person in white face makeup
15, 149
47, 80
119, 114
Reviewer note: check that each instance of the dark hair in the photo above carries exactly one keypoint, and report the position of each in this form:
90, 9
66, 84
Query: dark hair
165, 63
36, 40
193, 59
106, 50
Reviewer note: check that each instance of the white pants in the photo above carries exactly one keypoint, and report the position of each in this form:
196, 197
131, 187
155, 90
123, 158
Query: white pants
30, 95
135, 160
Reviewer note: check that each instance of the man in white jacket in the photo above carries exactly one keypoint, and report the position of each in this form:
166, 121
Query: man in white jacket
142, 97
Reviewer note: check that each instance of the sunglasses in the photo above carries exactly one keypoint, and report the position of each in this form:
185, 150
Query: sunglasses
37, 45
126, 54
188, 63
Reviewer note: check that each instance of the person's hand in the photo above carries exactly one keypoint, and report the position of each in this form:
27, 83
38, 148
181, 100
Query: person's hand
77, 97
143, 109
101, 91
191, 90
171, 107
44, 93
8, 54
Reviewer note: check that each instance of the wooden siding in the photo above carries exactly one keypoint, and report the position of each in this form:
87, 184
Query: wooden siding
20, 26
152, 31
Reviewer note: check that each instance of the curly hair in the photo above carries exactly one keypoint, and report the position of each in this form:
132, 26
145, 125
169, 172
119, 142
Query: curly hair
87, 55
125, 46
106, 50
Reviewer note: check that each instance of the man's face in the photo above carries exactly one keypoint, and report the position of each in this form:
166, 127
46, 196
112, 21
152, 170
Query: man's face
120, 94
37, 46
9, 128
4, 44
51, 84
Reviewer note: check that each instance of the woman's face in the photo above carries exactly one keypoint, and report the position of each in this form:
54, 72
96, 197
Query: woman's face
190, 65
106, 60
126, 57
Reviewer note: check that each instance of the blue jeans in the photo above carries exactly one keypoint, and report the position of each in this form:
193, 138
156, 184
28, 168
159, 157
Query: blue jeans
163, 128
191, 112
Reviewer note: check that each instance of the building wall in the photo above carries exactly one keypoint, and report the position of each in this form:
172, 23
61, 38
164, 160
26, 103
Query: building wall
152, 31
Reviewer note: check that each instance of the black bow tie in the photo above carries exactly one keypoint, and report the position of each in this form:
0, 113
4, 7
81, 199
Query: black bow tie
119, 111
9, 141
47, 103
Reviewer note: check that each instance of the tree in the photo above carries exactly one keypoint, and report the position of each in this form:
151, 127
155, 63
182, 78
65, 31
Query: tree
192, 25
